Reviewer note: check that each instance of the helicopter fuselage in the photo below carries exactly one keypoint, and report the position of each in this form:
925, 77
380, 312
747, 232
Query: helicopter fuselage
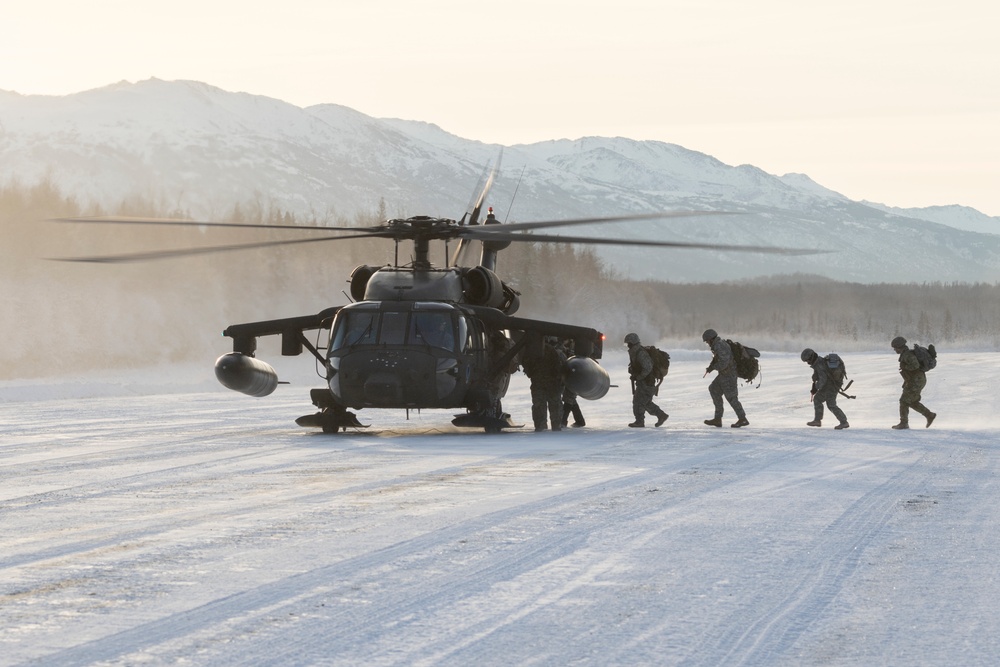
413, 354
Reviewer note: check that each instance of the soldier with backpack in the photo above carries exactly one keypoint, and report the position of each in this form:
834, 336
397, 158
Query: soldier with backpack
644, 385
914, 375
827, 379
724, 383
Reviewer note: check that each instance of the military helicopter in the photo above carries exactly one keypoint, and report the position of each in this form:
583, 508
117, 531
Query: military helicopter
417, 336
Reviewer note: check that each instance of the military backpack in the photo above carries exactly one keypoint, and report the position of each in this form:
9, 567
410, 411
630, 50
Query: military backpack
927, 356
747, 366
661, 363
836, 369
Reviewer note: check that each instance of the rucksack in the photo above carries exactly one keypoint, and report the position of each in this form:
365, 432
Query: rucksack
661, 362
927, 356
747, 366
836, 369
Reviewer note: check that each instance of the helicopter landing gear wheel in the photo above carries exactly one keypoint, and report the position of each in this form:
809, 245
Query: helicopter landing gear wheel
331, 420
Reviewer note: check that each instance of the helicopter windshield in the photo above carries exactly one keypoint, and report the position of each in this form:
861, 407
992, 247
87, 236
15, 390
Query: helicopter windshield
358, 328
434, 328
393, 330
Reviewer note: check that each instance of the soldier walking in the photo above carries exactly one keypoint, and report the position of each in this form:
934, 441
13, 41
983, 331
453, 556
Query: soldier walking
640, 370
824, 390
724, 383
914, 381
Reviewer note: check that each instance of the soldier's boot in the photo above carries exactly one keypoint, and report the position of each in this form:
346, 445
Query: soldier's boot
661, 417
904, 417
841, 426
743, 421
814, 422
714, 422
928, 415
638, 424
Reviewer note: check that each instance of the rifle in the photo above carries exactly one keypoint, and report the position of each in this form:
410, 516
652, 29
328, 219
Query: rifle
843, 392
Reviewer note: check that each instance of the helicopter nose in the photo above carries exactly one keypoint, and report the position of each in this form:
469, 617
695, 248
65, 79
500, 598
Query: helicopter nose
383, 387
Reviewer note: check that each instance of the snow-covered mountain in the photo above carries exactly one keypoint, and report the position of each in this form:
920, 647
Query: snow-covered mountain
959, 217
195, 148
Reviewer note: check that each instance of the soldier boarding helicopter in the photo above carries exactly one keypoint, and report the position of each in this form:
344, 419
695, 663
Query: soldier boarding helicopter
417, 336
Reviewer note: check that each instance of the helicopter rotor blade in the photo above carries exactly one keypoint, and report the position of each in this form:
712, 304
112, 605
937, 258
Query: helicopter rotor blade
478, 208
485, 235
177, 222
663, 215
460, 256
205, 250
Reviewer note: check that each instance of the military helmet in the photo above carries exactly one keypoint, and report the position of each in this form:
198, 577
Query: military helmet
808, 355
709, 335
898, 343
632, 339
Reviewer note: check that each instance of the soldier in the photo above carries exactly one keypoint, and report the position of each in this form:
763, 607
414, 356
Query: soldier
824, 390
914, 380
547, 373
724, 383
640, 370
571, 406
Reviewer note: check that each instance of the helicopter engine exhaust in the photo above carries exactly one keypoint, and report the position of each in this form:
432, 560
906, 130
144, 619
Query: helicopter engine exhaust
587, 378
246, 374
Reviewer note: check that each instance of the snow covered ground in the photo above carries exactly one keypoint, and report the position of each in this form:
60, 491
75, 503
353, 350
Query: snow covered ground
153, 518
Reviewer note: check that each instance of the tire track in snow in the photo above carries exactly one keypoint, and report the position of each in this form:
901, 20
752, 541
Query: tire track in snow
345, 627
770, 622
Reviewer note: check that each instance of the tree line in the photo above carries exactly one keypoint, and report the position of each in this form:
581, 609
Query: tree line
108, 315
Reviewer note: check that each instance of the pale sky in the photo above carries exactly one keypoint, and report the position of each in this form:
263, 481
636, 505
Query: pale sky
892, 101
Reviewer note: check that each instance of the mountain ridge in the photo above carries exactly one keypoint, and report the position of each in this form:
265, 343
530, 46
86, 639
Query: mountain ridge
202, 149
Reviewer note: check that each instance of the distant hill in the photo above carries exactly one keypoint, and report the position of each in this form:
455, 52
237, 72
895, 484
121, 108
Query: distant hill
199, 149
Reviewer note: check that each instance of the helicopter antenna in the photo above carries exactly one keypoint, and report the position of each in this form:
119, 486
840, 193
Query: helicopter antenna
515, 192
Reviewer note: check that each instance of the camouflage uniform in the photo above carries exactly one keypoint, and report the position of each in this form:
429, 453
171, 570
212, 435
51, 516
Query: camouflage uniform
546, 373
640, 369
914, 381
571, 406
824, 390
724, 383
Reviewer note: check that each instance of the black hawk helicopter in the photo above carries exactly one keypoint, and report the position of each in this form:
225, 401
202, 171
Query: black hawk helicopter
418, 336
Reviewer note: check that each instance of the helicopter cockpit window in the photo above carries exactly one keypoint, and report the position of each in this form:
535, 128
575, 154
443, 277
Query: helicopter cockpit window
463, 333
434, 329
393, 329
357, 328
